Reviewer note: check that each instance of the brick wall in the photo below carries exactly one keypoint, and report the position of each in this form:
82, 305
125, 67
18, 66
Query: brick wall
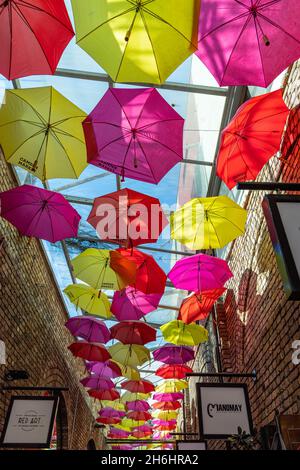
32, 317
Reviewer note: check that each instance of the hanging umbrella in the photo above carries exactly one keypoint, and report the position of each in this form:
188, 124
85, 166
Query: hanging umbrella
130, 304
171, 386
41, 132
104, 394
251, 138
39, 213
118, 433
111, 412
89, 351
173, 371
248, 42
166, 427
134, 133
133, 332
103, 269
143, 42
129, 396
90, 329
138, 405
116, 405
170, 354
166, 405
141, 435
129, 354
200, 272
107, 369
108, 420
143, 428
88, 299
139, 415
122, 427
150, 278
97, 382
198, 306
168, 396
138, 386
178, 332
117, 218
208, 222
130, 373
33, 37
165, 415
131, 423
162, 422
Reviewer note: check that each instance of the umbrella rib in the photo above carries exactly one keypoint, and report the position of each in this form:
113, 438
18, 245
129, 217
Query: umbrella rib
158, 122
241, 153
125, 49
231, 20
277, 26
55, 18
154, 53
116, 98
144, 153
55, 208
30, 105
66, 134
54, 135
162, 144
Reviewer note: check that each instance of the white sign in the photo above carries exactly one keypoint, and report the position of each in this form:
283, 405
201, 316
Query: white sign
223, 408
191, 445
29, 422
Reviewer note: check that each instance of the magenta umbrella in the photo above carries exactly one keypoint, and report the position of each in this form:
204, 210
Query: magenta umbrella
88, 328
199, 273
39, 213
111, 413
97, 382
162, 422
248, 42
108, 369
158, 436
138, 405
131, 304
168, 396
143, 428
119, 432
172, 354
134, 133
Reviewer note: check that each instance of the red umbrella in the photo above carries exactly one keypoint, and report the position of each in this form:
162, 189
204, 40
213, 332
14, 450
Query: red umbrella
252, 138
138, 386
139, 415
173, 371
33, 36
141, 434
166, 405
150, 278
197, 306
89, 351
102, 395
133, 332
109, 420
128, 218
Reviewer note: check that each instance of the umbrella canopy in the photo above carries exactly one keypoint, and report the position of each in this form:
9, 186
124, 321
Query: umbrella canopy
200, 272
173, 371
88, 299
251, 138
119, 433
33, 37
130, 396
208, 223
166, 427
131, 304
150, 278
130, 373
133, 332
111, 412
143, 428
39, 213
134, 133
131, 423
141, 42
166, 405
103, 269
97, 382
89, 351
139, 415
163, 422
141, 435
41, 132
104, 394
129, 354
90, 329
198, 306
170, 354
108, 369
178, 332
136, 386
138, 405
108, 420
168, 396
117, 217
116, 405
165, 415
248, 42
171, 386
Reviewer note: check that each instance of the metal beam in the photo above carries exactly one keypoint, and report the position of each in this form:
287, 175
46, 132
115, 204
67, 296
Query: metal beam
197, 162
83, 181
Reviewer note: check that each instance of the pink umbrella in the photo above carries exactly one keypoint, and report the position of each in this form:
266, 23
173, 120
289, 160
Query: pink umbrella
158, 436
109, 412
162, 422
39, 213
143, 428
199, 273
248, 42
172, 354
134, 133
108, 369
131, 304
168, 396
119, 432
88, 328
98, 383
138, 405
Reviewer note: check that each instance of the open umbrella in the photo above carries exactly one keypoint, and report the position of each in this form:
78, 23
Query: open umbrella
150, 278
139, 415
89, 351
116, 405
166, 405
118, 433
97, 382
130, 304
178, 332
197, 306
165, 415
200, 272
111, 412
207, 223
129, 354
103, 269
128, 218
251, 138
33, 36
138, 405
171, 386
104, 394
173, 371
109, 420
137, 41
133, 332
248, 42
108, 369
39, 213
90, 329
163, 422
130, 396
171, 354
129, 372
168, 396
89, 299
136, 386
134, 133
143, 428
41, 132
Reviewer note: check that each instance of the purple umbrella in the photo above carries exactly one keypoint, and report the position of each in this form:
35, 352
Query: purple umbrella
200, 273
109, 412
134, 133
88, 328
248, 42
168, 396
131, 304
39, 213
138, 405
119, 432
172, 354
108, 369
98, 383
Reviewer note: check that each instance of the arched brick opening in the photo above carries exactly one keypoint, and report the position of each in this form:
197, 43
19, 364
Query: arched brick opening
91, 445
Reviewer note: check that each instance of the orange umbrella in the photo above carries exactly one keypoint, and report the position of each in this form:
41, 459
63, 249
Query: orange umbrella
198, 306
166, 405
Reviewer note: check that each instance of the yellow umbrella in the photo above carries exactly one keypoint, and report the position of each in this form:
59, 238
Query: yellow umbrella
122, 426
137, 40
129, 396
129, 354
129, 372
171, 386
180, 333
104, 269
89, 299
116, 405
129, 423
41, 132
165, 415
207, 223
